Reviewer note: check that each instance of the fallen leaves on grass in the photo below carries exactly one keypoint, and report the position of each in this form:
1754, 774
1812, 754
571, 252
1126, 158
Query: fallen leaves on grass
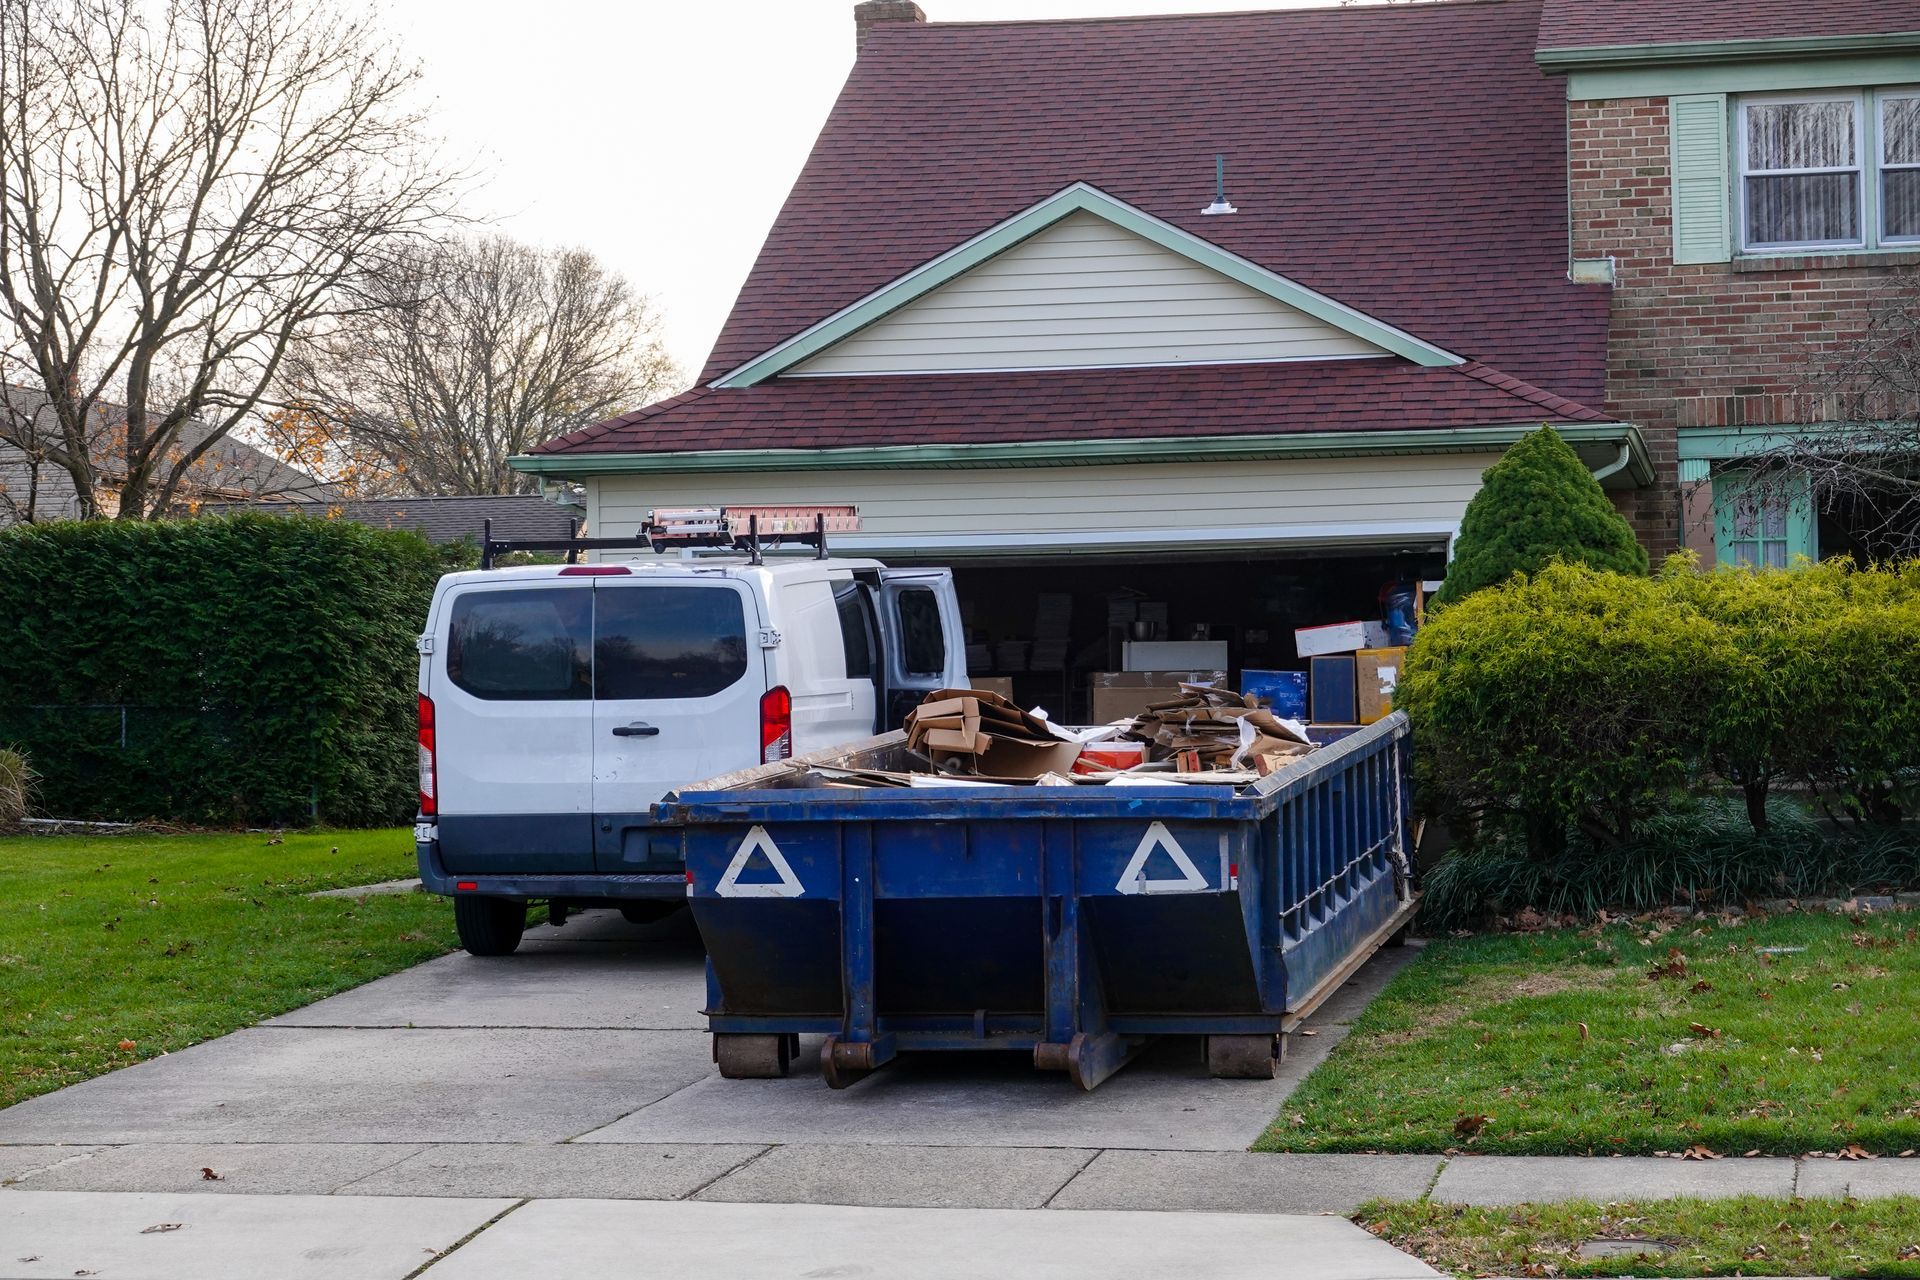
1854, 1151
1701, 987
1470, 1126
1700, 1151
126, 1046
1704, 1031
1674, 966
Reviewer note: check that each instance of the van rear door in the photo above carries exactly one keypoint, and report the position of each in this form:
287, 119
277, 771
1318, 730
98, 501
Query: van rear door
678, 676
511, 682
922, 635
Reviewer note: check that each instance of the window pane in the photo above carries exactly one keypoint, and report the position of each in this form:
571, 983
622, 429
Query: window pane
1803, 210
924, 645
1900, 204
667, 642
1743, 554
521, 645
1800, 135
1773, 522
1900, 130
856, 633
1776, 554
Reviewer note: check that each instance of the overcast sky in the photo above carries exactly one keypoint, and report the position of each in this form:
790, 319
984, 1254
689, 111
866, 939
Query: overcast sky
661, 135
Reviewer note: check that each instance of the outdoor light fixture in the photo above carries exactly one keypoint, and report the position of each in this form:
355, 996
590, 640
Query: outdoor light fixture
1219, 204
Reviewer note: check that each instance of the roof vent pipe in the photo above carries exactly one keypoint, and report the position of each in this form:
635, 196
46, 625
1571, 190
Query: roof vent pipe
1219, 204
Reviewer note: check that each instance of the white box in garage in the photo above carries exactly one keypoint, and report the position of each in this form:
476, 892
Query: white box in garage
1340, 637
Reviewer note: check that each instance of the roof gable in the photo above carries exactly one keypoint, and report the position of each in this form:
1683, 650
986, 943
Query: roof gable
1083, 280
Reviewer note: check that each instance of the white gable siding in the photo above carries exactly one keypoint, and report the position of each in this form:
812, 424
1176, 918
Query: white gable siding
1046, 510
1084, 294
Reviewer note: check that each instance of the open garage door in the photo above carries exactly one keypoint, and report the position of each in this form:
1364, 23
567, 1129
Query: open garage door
1053, 627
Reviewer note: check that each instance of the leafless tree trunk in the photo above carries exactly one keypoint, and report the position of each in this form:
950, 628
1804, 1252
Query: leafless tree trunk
186, 187
1863, 455
480, 349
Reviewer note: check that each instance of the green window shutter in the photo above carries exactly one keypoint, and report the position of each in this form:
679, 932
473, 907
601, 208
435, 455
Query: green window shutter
1702, 178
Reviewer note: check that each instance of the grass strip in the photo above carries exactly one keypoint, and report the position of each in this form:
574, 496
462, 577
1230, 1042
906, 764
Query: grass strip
119, 948
1780, 1036
1749, 1236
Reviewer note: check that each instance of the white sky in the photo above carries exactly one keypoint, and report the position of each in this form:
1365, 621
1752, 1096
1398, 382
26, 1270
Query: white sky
661, 135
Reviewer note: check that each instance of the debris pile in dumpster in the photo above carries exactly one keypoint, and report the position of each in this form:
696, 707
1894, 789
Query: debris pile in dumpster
973, 737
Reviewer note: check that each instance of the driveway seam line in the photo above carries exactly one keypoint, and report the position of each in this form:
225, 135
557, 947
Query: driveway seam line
637, 1110
728, 1173
1072, 1177
1434, 1181
422, 1149
464, 1240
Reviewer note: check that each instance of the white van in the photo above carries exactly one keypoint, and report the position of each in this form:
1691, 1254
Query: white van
558, 703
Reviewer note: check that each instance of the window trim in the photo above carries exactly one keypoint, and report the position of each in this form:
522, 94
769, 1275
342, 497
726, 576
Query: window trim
1869, 170
1802, 536
1882, 167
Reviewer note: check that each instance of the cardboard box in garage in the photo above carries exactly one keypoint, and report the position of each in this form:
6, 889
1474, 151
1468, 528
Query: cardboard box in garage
1120, 695
1376, 672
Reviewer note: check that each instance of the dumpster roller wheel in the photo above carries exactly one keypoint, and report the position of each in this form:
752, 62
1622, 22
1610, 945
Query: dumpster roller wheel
753, 1057
1243, 1057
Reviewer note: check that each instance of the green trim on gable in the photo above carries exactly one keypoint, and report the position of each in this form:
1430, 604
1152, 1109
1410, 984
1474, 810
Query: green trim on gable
1780, 75
1717, 444
1079, 198
1074, 453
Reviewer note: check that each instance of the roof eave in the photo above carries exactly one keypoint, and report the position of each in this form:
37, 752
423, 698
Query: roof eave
1587, 57
1072, 453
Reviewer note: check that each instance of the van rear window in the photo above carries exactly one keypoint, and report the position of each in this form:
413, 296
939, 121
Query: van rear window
668, 642
522, 645
923, 640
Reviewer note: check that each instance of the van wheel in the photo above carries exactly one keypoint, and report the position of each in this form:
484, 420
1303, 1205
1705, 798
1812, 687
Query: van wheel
645, 912
489, 926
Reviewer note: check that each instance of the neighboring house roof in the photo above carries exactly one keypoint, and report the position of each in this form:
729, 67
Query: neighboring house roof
1431, 200
1572, 24
229, 468
438, 519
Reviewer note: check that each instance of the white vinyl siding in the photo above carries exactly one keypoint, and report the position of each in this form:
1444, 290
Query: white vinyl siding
1043, 510
1084, 294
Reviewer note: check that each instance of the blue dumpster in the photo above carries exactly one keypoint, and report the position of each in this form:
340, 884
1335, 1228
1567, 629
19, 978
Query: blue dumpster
1072, 922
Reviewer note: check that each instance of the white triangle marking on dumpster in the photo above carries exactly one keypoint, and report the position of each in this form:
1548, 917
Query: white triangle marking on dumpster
759, 841
1134, 880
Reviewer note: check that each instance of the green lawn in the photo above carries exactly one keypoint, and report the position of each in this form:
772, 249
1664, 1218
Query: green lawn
1745, 1237
1637, 1038
114, 949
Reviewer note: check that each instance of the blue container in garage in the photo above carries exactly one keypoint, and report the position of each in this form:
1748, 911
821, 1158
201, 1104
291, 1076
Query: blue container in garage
1074, 923
1285, 691
1336, 698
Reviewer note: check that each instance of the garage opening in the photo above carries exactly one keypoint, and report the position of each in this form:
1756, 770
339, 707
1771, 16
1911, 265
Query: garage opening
1055, 629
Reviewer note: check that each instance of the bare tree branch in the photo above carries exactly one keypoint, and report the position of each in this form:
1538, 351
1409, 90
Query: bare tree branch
476, 349
186, 188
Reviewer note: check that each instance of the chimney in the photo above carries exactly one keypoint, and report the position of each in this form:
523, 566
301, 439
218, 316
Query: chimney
869, 14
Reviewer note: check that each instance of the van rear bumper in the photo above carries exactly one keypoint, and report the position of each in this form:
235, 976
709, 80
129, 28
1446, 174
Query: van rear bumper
435, 878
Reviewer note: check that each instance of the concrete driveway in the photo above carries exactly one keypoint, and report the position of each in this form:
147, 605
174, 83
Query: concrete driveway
578, 1070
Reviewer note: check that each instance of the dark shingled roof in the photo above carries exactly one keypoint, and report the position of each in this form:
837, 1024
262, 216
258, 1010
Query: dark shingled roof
437, 519
1432, 198
1568, 24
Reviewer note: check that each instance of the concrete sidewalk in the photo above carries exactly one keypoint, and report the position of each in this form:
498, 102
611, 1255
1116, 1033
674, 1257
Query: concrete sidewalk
147, 1236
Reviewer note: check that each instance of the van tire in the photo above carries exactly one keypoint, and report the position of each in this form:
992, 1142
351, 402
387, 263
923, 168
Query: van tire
649, 912
489, 926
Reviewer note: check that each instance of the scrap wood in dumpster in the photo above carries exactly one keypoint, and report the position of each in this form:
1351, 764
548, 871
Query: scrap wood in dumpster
974, 737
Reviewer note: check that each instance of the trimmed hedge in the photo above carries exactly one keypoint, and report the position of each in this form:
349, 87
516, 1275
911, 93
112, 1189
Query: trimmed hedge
244, 670
1582, 701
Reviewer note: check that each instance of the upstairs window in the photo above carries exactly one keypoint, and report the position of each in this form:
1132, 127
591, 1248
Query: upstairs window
1829, 170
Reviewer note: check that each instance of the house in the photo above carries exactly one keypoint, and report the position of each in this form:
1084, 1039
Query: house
1751, 171
33, 488
1226, 314
457, 518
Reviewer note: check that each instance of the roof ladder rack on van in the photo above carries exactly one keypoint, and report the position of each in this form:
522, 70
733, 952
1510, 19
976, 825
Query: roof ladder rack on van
698, 527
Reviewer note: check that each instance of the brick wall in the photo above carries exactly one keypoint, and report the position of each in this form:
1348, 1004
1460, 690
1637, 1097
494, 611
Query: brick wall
1721, 344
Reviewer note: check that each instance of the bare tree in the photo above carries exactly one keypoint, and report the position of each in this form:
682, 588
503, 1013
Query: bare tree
186, 187
480, 349
1862, 458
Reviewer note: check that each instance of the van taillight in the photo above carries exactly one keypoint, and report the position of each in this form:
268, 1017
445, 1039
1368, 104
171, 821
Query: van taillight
429, 770
776, 725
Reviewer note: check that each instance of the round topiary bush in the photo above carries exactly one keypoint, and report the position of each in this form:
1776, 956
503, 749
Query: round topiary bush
1538, 504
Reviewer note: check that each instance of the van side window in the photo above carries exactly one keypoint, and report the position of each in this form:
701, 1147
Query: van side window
667, 642
521, 645
923, 642
856, 628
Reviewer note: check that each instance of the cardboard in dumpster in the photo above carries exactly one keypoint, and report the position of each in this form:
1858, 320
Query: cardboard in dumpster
1208, 729
979, 733
1376, 675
